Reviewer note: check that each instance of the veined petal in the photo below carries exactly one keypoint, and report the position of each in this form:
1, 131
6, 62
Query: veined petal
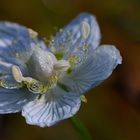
16, 41
52, 107
16, 46
12, 101
80, 36
96, 69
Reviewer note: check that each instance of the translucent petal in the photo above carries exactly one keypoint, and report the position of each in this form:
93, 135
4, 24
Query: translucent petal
82, 32
12, 101
97, 68
51, 108
16, 41
16, 45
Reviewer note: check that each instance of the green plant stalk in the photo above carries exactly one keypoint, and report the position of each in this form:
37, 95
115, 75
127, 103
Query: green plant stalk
81, 129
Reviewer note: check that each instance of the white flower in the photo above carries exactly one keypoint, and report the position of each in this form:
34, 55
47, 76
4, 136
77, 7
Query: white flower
46, 83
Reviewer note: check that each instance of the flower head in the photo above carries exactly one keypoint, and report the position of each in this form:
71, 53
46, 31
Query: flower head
47, 82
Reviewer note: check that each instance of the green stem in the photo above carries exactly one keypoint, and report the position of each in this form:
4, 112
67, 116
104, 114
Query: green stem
81, 129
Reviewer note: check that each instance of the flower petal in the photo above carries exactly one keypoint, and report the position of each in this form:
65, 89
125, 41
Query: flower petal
16, 41
51, 108
12, 101
16, 45
82, 32
97, 68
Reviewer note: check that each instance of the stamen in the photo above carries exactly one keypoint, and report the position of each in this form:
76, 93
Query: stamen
32, 33
85, 29
52, 80
61, 65
83, 98
72, 60
36, 86
17, 74
33, 85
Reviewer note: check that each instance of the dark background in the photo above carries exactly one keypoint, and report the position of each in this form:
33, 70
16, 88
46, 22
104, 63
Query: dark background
113, 108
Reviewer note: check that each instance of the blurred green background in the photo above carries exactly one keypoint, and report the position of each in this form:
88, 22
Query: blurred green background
113, 108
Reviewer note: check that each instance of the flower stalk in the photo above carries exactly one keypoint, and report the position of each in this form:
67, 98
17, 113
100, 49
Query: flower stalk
80, 128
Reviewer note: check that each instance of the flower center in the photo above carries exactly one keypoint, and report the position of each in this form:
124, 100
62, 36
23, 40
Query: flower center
45, 71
